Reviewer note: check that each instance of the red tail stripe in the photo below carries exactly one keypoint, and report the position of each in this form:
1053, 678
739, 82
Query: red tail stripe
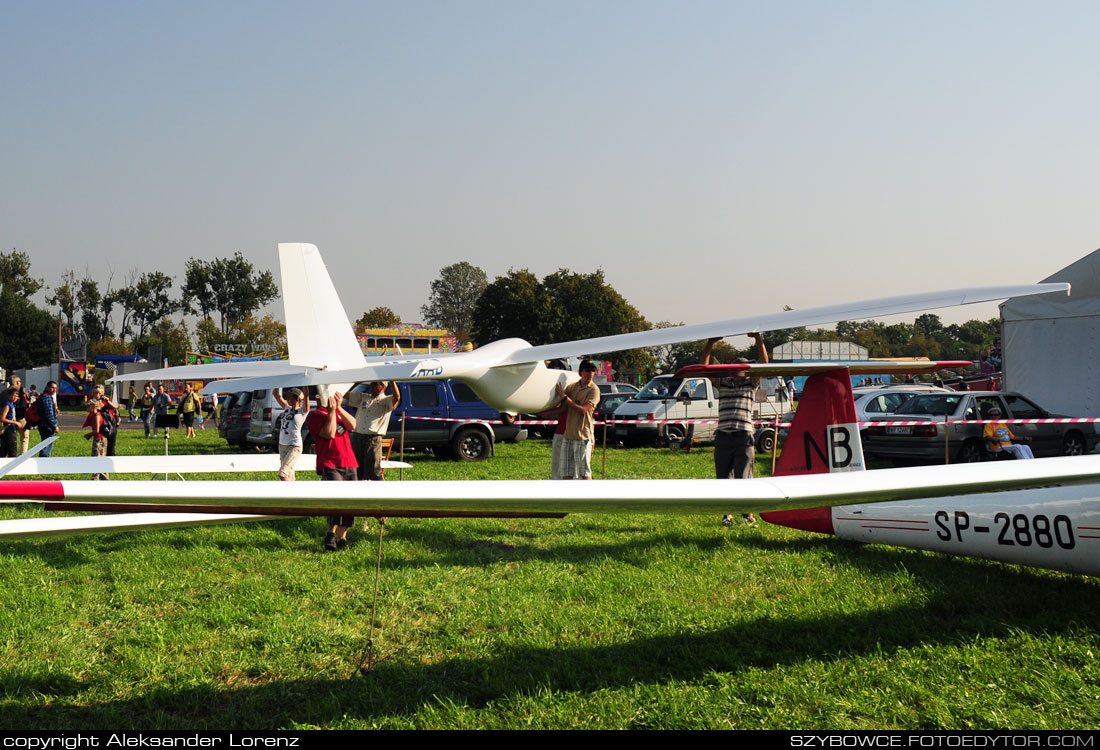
32, 489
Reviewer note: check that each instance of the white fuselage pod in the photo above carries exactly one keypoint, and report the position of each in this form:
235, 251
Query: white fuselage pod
527, 388
1056, 527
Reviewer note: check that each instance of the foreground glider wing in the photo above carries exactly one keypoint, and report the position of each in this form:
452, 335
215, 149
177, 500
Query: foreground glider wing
658, 496
261, 462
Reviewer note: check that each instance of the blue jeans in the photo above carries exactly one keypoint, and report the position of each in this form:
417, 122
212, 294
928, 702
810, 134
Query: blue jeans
46, 431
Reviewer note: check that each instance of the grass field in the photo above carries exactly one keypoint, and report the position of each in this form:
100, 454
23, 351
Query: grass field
591, 621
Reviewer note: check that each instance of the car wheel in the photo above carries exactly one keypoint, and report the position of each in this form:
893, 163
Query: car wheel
765, 441
471, 444
674, 433
1073, 444
971, 453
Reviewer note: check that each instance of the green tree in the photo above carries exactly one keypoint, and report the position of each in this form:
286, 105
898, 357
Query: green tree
232, 287
64, 296
377, 317
513, 306
15, 275
563, 307
28, 334
453, 298
172, 337
149, 301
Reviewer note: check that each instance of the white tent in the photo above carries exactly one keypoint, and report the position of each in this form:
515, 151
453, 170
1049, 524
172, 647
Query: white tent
1051, 342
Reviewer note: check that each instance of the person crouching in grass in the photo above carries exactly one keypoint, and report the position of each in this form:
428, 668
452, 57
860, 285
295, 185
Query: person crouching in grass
94, 421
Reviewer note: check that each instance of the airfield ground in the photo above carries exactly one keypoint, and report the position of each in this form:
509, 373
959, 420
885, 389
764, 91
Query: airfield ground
591, 621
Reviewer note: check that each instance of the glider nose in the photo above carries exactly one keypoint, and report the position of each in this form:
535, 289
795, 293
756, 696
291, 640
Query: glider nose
819, 520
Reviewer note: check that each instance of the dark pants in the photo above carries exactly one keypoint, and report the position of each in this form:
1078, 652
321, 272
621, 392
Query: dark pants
46, 431
9, 443
734, 455
368, 452
333, 474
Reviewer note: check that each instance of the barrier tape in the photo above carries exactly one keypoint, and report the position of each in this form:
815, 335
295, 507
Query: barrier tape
769, 423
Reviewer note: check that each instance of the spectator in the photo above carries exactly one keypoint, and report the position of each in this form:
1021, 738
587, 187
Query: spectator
328, 425
210, 400
189, 407
999, 438
289, 426
94, 423
146, 412
9, 438
735, 439
555, 443
21, 402
579, 400
161, 402
372, 421
47, 416
131, 403
108, 409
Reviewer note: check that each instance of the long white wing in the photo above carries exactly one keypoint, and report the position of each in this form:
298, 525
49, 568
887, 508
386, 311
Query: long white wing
260, 462
214, 370
32, 528
786, 319
634, 496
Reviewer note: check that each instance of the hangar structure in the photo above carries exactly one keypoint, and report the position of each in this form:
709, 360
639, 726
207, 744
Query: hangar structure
1051, 342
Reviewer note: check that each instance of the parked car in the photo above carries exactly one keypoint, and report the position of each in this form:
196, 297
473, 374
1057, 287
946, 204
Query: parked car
261, 426
666, 397
610, 387
463, 441
223, 415
609, 402
237, 419
872, 401
964, 441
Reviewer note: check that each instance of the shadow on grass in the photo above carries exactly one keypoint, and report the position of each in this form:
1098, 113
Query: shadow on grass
467, 546
954, 614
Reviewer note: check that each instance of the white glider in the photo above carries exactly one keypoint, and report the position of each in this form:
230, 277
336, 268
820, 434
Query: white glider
509, 374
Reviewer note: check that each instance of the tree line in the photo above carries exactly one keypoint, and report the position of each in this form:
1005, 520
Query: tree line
143, 311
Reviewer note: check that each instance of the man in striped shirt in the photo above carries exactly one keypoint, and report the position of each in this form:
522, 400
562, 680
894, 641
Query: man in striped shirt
735, 440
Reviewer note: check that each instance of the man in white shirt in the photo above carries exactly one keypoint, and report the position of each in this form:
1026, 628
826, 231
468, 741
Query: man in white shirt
372, 420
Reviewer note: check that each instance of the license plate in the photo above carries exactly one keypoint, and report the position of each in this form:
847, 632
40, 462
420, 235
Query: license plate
899, 430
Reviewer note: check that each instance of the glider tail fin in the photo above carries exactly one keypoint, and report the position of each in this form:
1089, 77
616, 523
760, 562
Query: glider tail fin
823, 438
317, 328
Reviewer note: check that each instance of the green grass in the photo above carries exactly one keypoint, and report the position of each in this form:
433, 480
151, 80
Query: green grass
591, 621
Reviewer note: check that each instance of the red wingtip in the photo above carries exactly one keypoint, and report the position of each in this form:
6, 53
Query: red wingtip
819, 520
31, 489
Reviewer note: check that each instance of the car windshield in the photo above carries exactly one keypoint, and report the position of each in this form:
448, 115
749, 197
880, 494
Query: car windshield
660, 388
939, 404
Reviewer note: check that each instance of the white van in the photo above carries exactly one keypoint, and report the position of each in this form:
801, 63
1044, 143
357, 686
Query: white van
667, 397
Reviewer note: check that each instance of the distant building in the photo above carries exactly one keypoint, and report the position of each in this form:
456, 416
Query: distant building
410, 338
1050, 343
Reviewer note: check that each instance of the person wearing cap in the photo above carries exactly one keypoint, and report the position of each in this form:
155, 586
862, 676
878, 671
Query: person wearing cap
999, 438
579, 400
289, 426
372, 423
735, 439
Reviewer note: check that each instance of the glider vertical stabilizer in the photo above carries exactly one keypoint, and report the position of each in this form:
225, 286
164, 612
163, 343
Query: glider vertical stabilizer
1052, 526
317, 329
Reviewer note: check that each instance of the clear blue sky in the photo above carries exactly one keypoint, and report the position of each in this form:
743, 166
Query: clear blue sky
714, 158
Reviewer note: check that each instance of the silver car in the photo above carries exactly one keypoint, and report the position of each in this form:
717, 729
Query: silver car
963, 442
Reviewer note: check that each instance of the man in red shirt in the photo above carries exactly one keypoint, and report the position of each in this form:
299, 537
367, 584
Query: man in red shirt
329, 425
